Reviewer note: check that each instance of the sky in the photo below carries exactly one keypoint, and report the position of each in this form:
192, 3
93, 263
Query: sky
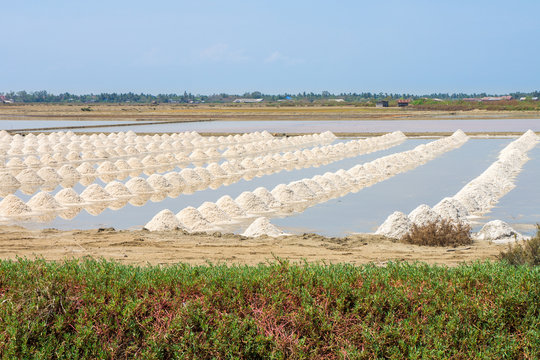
207, 47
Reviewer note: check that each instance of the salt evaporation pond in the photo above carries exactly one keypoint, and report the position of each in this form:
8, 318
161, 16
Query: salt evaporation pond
363, 211
302, 126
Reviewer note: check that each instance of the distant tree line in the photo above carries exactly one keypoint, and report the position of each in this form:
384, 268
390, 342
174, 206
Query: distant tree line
189, 98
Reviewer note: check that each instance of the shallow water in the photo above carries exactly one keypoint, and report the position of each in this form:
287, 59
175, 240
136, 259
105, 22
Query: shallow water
296, 126
365, 210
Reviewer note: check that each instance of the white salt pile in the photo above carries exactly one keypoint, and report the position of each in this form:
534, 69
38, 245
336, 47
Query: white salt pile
86, 169
68, 172
451, 209
43, 201
423, 215
118, 190
267, 197
227, 204
159, 183
262, 227
138, 185
135, 163
251, 203
11, 205
107, 167
213, 214
175, 179
29, 176
191, 177
302, 190
49, 175
96, 193
395, 226
205, 175
192, 219
216, 170
499, 232
68, 197
165, 220
8, 181
285, 195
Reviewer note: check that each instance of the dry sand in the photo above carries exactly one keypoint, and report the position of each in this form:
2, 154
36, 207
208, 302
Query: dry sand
144, 247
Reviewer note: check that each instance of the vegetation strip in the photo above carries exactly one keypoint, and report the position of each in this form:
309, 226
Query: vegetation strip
100, 309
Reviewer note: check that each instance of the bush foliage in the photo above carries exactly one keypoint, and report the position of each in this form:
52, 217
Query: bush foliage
439, 233
523, 253
100, 309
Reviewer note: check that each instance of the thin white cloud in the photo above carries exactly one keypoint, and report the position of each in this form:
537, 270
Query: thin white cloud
277, 57
223, 53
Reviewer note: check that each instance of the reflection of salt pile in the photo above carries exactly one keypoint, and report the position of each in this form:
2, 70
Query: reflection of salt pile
43, 201
423, 215
395, 226
96, 193
213, 214
227, 204
261, 227
251, 203
499, 232
165, 220
11, 205
68, 197
192, 219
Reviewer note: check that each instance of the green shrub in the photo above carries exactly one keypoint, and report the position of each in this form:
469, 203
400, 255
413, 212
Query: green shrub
526, 252
439, 233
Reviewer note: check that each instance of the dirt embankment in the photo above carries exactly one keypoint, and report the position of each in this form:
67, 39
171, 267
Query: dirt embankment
143, 247
178, 112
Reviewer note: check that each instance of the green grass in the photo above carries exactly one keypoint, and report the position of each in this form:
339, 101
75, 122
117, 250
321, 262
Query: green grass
524, 252
101, 309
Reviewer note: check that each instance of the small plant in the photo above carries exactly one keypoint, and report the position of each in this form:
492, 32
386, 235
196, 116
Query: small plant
524, 253
86, 108
439, 233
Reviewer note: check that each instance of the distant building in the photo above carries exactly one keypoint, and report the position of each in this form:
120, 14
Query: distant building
381, 103
534, 98
403, 102
248, 100
522, 98
496, 98
336, 100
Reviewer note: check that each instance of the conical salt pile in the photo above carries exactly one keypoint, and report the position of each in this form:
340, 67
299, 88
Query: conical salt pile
68, 197
251, 203
86, 169
68, 172
213, 213
267, 197
395, 226
138, 185
285, 195
29, 176
262, 227
8, 181
191, 177
49, 175
499, 232
423, 215
107, 167
176, 180
165, 220
227, 204
96, 193
216, 170
118, 190
11, 205
192, 219
159, 183
451, 209
43, 201
302, 190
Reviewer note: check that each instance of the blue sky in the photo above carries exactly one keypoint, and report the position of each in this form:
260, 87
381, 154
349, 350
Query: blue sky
271, 46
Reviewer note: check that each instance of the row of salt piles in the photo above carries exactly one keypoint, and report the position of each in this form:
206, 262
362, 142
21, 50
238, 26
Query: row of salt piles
475, 198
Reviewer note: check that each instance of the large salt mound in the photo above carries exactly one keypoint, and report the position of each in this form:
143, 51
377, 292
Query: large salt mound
165, 220
138, 185
227, 204
11, 205
159, 183
216, 170
8, 181
267, 197
191, 177
251, 203
43, 201
49, 175
302, 190
395, 226
118, 190
213, 213
96, 193
451, 209
192, 219
499, 232
261, 227
86, 169
68, 172
29, 176
285, 195
175, 179
107, 167
423, 215
68, 197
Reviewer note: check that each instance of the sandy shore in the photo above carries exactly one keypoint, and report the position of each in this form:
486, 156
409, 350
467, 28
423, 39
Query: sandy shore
143, 247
